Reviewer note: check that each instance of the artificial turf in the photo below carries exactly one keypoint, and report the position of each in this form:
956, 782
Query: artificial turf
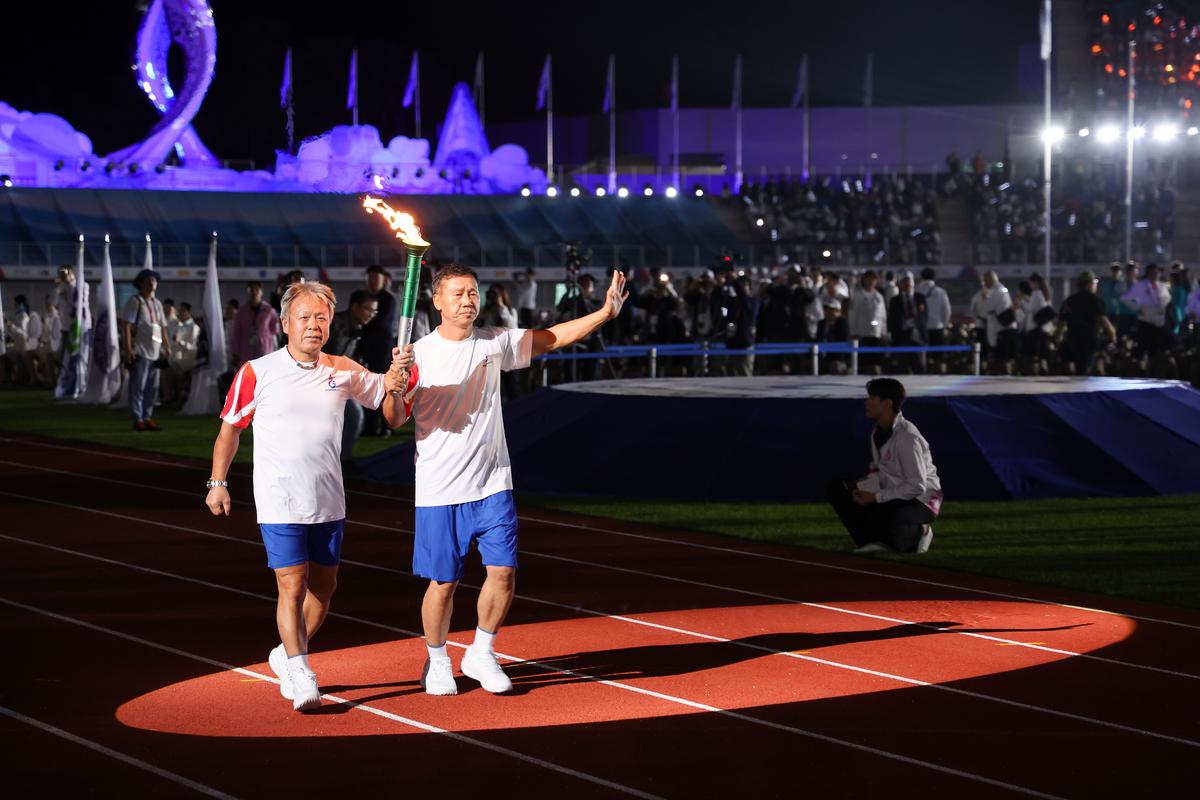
1145, 548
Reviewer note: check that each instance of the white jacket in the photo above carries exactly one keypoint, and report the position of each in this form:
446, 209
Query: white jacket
1150, 300
993, 302
1036, 302
868, 314
937, 305
903, 469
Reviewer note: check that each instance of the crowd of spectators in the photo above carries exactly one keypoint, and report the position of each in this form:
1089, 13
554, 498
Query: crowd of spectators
889, 220
1167, 67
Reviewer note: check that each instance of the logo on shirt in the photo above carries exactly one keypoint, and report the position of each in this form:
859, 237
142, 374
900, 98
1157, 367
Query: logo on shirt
332, 385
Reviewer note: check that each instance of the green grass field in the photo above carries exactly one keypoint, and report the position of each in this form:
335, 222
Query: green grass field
1143, 548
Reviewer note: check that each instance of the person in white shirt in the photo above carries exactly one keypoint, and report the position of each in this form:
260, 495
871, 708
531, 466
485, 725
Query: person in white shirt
526, 297
1150, 298
893, 507
868, 320
50, 343
143, 342
1037, 324
463, 474
184, 347
16, 331
294, 396
995, 307
937, 315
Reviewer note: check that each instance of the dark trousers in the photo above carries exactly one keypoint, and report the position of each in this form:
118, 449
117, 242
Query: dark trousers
1151, 339
896, 523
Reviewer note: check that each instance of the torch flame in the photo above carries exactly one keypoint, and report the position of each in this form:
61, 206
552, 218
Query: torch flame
403, 224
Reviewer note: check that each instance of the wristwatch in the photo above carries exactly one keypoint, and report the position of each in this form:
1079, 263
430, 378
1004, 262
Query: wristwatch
211, 484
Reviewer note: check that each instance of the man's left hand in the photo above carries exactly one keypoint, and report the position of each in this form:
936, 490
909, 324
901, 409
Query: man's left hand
617, 295
863, 498
395, 381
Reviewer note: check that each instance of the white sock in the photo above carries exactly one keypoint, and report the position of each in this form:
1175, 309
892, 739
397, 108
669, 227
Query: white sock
437, 652
483, 640
299, 661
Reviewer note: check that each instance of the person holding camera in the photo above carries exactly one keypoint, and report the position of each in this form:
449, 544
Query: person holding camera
145, 348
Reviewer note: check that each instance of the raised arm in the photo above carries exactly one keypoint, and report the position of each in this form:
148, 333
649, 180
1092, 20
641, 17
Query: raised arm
565, 334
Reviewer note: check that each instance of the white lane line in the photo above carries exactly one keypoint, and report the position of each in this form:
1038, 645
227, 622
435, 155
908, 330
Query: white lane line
550, 765
675, 542
656, 576
681, 631
114, 754
547, 764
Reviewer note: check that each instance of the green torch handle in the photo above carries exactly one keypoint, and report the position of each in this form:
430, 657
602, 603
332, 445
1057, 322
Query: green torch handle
412, 285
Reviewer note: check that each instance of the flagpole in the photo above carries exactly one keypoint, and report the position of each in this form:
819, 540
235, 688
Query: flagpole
737, 96
867, 100
612, 124
549, 119
479, 90
1047, 49
675, 123
354, 81
287, 100
1129, 156
807, 152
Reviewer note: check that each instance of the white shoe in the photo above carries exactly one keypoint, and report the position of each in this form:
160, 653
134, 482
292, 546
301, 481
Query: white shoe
278, 662
483, 667
438, 677
926, 538
304, 684
873, 547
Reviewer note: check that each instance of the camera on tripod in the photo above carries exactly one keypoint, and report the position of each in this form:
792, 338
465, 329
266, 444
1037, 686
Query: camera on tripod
573, 259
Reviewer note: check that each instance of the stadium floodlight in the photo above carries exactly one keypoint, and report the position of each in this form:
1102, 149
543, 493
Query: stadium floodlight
699, 191
1192, 131
1054, 134
525, 191
672, 192
1139, 131
600, 191
6, 181
551, 191
574, 191
1165, 132
759, 222
1108, 133
826, 253
648, 191
622, 192
1085, 132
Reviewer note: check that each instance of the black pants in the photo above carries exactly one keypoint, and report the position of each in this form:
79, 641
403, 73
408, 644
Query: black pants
896, 523
1151, 339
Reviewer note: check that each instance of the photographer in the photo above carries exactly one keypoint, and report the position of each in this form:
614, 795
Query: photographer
145, 348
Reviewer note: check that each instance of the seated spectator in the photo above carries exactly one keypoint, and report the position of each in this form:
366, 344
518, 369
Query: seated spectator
893, 507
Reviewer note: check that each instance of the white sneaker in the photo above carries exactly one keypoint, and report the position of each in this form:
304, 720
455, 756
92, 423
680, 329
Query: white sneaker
304, 684
438, 677
873, 547
278, 662
483, 667
926, 538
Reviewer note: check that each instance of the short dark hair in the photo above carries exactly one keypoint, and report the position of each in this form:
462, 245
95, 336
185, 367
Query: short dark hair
185, 306
253, 284
360, 296
887, 389
452, 271
928, 274
377, 268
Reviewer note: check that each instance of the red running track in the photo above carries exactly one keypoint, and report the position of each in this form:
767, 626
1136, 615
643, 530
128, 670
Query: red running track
646, 662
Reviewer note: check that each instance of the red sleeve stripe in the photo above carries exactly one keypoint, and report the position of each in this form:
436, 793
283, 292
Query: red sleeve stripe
413, 378
239, 404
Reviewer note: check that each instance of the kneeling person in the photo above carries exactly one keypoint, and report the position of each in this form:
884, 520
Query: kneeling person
295, 397
894, 506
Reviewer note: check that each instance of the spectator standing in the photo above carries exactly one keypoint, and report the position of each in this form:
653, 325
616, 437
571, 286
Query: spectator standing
937, 314
378, 339
868, 320
996, 307
1082, 317
526, 297
346, 331
255, 327
1149, 299
143, 339
906, 323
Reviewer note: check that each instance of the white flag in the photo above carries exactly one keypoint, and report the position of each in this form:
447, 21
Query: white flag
544, 85
610, 86
104, 380
285, 88
204, 397
801, 84
412, 90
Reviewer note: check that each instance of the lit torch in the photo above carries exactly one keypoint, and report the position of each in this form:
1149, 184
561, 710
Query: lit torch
414, 248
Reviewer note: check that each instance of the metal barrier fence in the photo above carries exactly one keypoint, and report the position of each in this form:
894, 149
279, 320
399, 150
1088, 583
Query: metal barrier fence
704, 351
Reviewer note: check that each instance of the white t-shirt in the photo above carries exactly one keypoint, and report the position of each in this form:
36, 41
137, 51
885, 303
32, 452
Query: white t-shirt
455, 399
297, 415
149, 322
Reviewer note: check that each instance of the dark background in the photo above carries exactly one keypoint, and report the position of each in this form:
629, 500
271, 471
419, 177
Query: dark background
73, 59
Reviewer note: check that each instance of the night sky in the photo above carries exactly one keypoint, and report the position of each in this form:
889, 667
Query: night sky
77, 63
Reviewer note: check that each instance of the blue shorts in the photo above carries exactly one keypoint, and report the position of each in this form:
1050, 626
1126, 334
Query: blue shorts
289, 544
445, 533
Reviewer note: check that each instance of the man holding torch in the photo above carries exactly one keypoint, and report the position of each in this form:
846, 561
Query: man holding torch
463, 474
